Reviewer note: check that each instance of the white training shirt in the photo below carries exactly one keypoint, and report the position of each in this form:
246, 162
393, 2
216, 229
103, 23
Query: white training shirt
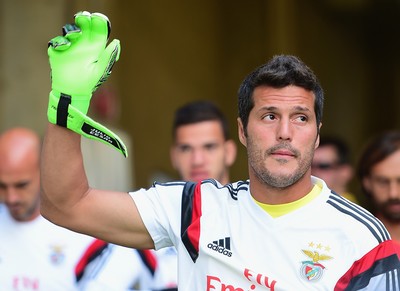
225, 241
38, 255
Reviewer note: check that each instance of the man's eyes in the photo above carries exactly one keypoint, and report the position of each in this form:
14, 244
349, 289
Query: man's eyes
298, 118
206, 147
302, 118
269, 116
184, 148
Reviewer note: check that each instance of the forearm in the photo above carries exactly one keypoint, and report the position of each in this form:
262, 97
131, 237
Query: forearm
63, 179
80, 62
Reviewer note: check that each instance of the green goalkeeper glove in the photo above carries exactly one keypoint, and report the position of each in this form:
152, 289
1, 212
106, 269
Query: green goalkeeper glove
80, 62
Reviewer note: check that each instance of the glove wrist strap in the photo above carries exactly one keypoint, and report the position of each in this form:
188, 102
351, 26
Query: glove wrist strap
62, 109
62, 113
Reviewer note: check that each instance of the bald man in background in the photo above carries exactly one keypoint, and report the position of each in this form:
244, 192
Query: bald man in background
34, 253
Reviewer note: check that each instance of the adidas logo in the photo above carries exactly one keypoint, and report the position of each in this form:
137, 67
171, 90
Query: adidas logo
222, 246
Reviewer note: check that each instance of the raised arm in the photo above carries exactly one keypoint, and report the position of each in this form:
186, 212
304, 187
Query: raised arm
80, 62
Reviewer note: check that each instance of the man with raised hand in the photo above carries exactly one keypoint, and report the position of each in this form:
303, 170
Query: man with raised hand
68, 106
280, 230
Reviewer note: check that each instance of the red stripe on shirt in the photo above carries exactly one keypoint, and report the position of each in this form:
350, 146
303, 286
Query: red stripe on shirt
380, 252
94, 250
149, 259
194, 228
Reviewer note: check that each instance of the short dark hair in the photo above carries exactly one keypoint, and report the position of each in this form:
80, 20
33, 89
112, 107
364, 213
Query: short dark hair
376, 150
198, 111
279, 72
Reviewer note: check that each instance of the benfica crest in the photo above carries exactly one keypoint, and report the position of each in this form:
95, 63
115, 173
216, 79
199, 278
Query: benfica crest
57, 255
313, 269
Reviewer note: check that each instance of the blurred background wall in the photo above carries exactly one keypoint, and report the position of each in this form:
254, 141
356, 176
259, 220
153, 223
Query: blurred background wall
176, 51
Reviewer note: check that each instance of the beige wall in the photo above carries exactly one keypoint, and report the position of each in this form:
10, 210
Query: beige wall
176, 51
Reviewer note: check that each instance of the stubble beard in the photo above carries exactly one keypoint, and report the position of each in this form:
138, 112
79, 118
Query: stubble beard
28, 211
257, 161
384, 209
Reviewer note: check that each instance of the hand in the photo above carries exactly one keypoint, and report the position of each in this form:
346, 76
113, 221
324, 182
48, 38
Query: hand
80, 61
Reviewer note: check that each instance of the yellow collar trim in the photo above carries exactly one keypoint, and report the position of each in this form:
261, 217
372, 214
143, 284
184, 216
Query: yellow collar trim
282, 209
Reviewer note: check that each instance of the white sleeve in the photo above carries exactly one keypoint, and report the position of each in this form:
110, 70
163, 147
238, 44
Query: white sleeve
160, 210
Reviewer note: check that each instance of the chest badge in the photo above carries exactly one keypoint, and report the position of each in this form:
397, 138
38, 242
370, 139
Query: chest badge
313, 269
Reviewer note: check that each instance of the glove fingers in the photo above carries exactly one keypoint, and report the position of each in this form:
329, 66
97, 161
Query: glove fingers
100, 15
71, 31
83, 21
59, 43
100, 27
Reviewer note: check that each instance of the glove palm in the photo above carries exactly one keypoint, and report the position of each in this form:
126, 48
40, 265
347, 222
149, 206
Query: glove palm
80, 62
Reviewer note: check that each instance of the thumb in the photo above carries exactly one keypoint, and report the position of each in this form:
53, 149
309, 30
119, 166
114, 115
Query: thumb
107, 60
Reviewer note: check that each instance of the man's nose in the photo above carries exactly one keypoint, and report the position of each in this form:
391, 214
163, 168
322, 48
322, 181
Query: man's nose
198, 157
10, 195
284, 129
394, 189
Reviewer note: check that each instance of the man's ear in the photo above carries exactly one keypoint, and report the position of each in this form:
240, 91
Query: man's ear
241, 132
230, 152
318, 136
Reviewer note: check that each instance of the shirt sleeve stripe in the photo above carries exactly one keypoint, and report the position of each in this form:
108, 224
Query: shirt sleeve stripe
372, 223
190, 218
92, 252
381, 263
149, 259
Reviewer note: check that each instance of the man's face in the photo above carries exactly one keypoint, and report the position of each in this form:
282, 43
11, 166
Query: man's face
19, 189
201, 152
384, 185
281, 135
325, 165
